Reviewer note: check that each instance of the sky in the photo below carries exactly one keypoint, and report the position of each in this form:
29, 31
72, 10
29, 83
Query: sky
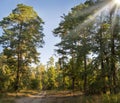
50, 12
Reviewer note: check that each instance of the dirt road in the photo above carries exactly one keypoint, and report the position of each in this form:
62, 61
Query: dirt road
39, 98
43, 98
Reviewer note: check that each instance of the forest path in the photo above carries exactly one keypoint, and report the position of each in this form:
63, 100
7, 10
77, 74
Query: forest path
39, 98
44, 97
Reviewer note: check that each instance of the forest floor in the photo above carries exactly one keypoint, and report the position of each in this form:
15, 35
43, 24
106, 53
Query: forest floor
49, 97
41, 97
57, 97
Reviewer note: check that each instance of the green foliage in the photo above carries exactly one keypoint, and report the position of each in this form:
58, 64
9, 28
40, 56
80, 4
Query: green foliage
90, 48
75, 42
35, 84
6, 74
22, 35
89, 52
51, 78
111, 99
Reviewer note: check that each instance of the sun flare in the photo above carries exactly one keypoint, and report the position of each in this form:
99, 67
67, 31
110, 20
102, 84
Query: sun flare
117, 2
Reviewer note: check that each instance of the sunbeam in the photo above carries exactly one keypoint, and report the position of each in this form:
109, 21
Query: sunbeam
114, 13
114, 17
101, 8
117, 2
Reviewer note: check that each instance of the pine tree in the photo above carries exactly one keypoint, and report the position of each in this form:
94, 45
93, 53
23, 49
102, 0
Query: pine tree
22, 35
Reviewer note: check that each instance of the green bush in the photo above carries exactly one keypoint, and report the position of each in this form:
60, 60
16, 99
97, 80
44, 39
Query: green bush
111, 98
35, 84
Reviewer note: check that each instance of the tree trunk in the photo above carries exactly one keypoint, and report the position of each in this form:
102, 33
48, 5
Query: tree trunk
85, 75
113, 68
19, 58
102, 61
73, 83
63, 81
85, 65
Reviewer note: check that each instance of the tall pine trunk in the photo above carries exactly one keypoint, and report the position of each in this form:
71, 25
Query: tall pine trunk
113, 68
85, 75
102, 61
19, 58
85, 65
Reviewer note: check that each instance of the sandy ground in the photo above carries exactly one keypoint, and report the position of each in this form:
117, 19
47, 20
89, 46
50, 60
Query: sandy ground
43, 98
39, 98
29, 100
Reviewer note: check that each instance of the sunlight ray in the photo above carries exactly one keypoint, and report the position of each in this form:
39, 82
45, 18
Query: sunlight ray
92, 18
114, 18
117, 2
92, 8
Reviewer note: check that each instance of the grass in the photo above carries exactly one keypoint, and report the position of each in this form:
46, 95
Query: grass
105, 98
3, 100
111, 98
